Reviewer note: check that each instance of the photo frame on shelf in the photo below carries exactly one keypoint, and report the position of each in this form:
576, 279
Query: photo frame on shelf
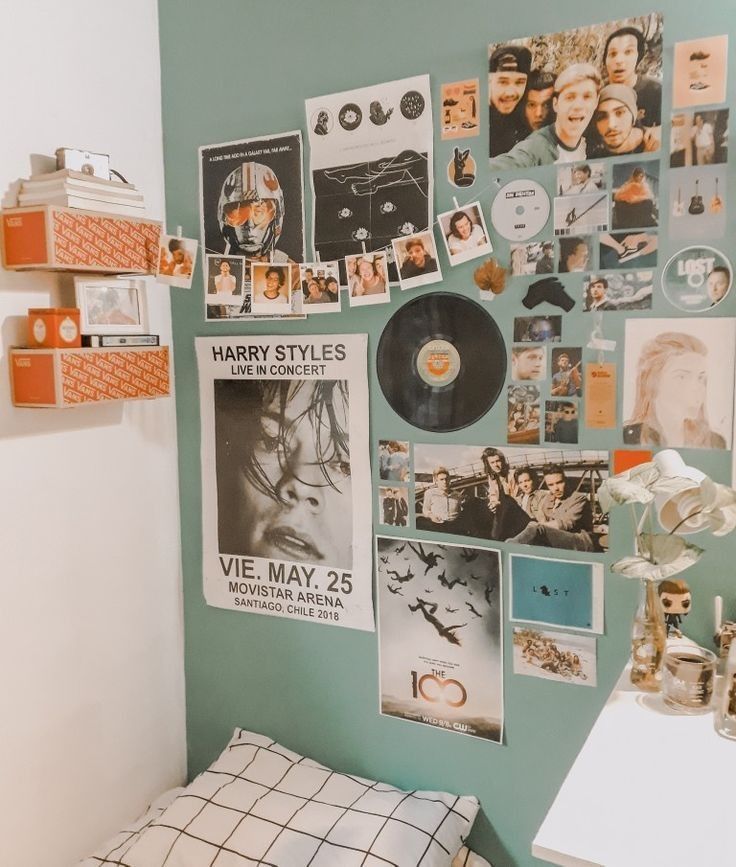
111, 305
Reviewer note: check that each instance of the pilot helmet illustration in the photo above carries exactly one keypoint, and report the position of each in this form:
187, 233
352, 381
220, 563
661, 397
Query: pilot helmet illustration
250, 211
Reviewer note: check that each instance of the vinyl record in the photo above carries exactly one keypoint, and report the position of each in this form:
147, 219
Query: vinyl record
520, 210
441, 362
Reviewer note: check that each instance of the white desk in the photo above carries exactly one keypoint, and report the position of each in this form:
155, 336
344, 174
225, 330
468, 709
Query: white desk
648, 788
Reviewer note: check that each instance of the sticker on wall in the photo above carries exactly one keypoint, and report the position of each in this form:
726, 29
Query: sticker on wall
439, 624
176, 261
284, 424
618, 290
560, 656
373, 172
580, 215
473, 491
462, 169
698, 203
416, 260
564, 114
567, 376
599, 390
678, 382
460, 106
535, 258
700, 71
575, 253
523, 415
528, 362
393, 506
699, 138
632, 249
537, 329
561, 421
393, 460
565, 593
697, 279
464, 233
574, 179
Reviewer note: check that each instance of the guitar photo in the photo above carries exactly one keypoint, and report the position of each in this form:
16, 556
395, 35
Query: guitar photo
696, 202
716, 203
678, 208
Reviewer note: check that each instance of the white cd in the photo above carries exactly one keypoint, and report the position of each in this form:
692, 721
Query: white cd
520, 210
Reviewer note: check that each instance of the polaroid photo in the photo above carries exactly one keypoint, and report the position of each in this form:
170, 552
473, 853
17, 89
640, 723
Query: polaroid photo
393, 460
465, 234
699, 138
561, 421
523, 415
567, 374
618, 290
224, 280
319, 287
581, 215
528, 362
111, 305
635, 199
416, 260
678, 382
575, 179
622, 249
535, 258
700, 71
271, 287
564, 593
393, 506
537, 329
460, 109
560, 656
176, 260
367, 276
574, 253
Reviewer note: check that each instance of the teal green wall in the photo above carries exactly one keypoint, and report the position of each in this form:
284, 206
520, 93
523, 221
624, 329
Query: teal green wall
236, 68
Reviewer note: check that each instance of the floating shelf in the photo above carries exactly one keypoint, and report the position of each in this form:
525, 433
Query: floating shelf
53, 238
59, 378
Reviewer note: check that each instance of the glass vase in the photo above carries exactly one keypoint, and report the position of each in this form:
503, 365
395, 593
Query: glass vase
648, 639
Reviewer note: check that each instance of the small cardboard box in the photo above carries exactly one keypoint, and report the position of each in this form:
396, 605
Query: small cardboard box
54, 238
72, 377
54, 327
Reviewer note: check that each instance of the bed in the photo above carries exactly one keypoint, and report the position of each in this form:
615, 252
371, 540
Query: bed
259, 803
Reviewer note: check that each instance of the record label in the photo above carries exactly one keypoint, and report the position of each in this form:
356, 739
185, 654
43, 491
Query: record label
441, 362
520, 210
438, 363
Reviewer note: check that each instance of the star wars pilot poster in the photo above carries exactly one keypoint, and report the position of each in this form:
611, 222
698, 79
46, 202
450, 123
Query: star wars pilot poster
439, 621
252, 205
370, 166
286, 490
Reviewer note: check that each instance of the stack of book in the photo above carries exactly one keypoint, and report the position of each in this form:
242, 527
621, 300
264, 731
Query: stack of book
71, 189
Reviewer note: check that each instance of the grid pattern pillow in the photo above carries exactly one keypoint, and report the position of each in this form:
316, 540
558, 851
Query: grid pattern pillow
261, 804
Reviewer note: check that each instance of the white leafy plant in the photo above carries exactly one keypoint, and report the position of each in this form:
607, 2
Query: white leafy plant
660, 555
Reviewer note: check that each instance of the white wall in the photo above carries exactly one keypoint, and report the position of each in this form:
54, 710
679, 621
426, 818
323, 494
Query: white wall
91, 646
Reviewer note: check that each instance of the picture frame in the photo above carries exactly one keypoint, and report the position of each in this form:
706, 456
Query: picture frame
111, 305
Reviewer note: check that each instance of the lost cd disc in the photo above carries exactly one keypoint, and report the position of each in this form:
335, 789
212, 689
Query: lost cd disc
441, 362
520, 210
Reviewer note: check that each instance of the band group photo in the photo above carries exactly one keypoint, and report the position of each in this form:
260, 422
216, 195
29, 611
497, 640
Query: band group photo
566, 97
543, 497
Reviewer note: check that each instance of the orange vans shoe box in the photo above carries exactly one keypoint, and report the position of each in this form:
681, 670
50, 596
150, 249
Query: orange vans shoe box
69, 239
71, 377
54, 327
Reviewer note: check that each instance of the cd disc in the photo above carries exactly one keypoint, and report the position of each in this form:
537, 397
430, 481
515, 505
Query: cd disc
520, 210
441, 362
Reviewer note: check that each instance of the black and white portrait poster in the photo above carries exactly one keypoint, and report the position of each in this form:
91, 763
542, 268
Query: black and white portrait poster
371, 166
595, 91
439, 621
286, 491
252, 205
678, 382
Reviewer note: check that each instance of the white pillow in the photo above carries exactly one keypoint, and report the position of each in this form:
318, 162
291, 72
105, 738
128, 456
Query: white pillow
261, 803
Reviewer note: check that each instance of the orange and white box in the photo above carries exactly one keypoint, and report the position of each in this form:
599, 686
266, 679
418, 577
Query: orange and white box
54, 327
72, 377
54, 238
